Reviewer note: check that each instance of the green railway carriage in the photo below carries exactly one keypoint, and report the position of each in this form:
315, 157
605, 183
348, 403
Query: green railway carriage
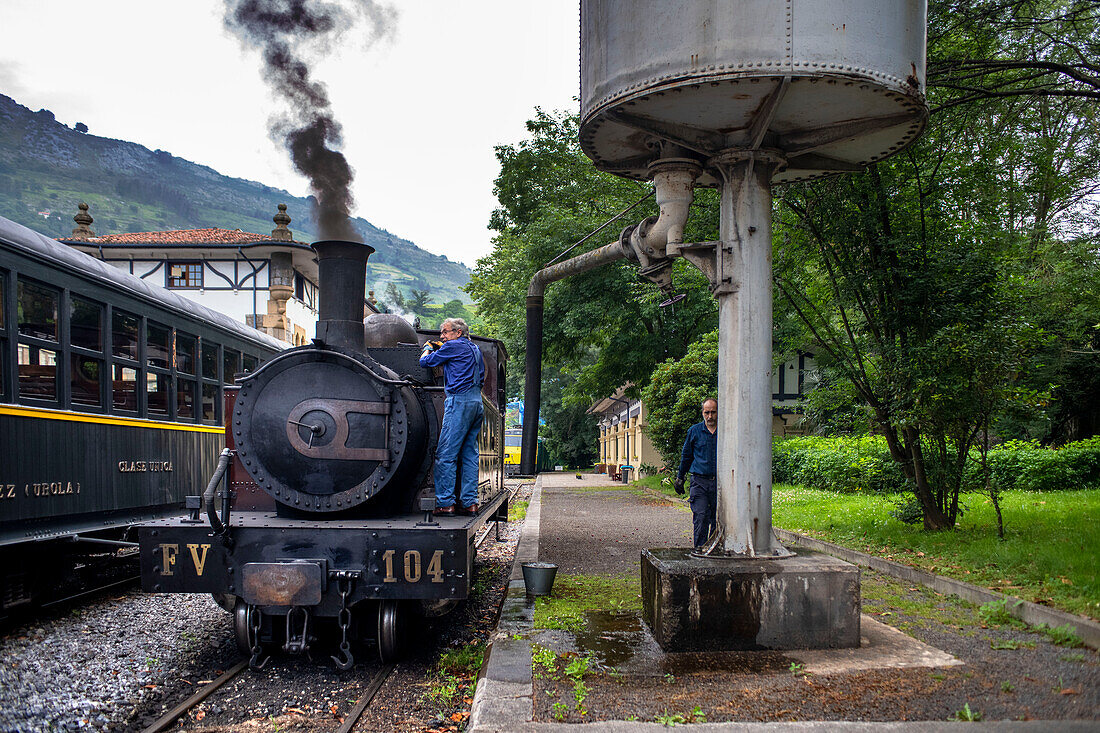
111, 394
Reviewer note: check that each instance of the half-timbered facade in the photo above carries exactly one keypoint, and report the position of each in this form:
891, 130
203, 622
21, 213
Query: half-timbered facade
266, 281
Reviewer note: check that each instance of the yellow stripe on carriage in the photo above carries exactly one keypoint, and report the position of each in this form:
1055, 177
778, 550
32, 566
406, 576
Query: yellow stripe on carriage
131, 422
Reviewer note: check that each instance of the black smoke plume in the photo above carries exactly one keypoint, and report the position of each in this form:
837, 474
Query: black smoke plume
288, 33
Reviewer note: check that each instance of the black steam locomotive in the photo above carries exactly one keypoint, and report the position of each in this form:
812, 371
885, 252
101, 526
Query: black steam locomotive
318, 519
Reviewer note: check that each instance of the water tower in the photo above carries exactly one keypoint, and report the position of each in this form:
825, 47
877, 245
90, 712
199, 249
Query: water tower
743, 94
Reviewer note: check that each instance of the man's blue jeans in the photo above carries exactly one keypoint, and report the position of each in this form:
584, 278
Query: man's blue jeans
462, 418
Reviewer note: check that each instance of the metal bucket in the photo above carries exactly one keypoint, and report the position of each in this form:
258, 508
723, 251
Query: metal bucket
538, 577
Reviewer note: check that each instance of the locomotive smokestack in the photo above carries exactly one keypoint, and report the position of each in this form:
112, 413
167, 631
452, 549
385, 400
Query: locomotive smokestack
342, 271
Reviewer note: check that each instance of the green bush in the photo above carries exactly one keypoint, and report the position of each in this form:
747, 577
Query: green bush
838, 464
1027, 466
865, 465
675, 396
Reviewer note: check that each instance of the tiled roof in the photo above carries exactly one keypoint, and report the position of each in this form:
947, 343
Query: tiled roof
211, 235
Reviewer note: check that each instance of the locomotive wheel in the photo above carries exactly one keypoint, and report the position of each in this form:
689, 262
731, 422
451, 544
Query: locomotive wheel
240, 627
391, 624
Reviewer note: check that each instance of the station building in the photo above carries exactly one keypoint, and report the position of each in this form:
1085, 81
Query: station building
268, 282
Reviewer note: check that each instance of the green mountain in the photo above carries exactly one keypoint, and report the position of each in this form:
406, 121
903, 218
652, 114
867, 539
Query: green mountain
47, 168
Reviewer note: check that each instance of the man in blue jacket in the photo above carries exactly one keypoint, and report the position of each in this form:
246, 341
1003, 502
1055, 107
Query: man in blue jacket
463, 374
700, 457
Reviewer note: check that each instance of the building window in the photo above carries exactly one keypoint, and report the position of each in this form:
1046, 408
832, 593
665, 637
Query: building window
185, 275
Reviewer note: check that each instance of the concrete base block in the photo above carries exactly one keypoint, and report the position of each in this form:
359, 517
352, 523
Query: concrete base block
808, 601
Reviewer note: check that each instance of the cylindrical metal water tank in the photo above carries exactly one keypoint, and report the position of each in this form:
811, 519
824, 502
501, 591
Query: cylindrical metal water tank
831, 84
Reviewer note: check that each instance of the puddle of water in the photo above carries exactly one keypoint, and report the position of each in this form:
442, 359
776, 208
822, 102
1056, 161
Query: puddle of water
621, 640
611, 638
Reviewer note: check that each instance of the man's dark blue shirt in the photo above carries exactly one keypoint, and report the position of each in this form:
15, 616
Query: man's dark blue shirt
700, 454
463, 366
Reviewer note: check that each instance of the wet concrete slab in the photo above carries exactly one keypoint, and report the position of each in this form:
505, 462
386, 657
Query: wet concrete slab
621, 641
593, 525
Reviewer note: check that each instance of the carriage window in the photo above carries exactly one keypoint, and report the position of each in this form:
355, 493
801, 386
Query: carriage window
158, 340
37, 372
185, 275
86, 324
185, 353
185, 398
232, 364
250, 362
157, 387
124, 334
209, 360
85, 380
209, 402
124, 388
37, 311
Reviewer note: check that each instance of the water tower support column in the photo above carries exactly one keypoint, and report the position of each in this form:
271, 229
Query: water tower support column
743, 286
744, 590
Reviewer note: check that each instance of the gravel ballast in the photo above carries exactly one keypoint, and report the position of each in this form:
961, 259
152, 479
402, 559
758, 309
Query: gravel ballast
95, 666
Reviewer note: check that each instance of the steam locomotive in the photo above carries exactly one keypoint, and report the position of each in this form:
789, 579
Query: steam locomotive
318, 518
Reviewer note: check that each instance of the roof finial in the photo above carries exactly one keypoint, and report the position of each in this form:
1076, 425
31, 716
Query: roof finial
83, 223
280, 233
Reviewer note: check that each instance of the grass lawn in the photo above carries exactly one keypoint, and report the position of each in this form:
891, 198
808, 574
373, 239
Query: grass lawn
1050, 553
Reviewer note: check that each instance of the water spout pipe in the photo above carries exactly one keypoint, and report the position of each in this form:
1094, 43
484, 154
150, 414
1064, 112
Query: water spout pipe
673, 180
532, 389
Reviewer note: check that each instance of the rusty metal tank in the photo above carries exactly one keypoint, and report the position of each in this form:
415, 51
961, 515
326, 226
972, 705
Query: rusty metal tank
832, 85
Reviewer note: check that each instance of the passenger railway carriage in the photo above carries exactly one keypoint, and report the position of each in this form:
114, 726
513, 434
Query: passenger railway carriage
111, 395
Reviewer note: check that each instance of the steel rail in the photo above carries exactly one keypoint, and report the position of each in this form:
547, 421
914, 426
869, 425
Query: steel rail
484, 532
169, 718
360, 707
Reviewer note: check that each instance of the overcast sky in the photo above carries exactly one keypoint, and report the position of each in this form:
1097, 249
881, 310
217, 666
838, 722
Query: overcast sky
421, 112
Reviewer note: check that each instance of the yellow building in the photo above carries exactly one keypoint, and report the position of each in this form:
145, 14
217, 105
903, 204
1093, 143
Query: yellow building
623, 441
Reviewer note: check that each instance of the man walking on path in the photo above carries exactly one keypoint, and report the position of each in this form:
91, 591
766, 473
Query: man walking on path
700, 457
463, 374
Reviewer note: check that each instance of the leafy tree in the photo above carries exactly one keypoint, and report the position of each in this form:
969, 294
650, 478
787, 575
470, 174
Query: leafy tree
394, 297
918, 281
418, 303
981, 50
603, 327
571, 433
675, 395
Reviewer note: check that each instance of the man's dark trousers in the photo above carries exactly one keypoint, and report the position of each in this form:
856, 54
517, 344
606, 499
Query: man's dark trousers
703, 497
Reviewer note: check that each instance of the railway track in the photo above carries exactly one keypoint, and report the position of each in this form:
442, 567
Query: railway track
378, 675
169, 719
